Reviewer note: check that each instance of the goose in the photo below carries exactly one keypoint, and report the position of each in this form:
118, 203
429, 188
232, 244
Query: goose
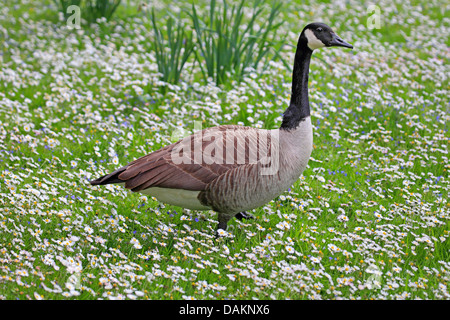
232, 169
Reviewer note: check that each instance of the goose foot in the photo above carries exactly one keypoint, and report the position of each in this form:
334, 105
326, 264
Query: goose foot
244, 215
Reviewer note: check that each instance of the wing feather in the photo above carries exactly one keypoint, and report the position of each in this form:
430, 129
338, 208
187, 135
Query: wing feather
160, 168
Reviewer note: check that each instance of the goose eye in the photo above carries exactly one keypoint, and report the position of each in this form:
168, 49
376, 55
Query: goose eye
319, 29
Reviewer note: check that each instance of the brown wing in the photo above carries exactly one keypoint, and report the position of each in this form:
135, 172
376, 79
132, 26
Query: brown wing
191, 163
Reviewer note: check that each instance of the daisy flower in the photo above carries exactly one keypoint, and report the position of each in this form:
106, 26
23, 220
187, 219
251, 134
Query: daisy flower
135, 243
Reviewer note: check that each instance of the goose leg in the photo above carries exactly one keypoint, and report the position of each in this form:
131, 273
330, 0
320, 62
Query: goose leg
223, 223
244, 215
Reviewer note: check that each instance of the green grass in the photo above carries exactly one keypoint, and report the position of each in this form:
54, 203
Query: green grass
75, 105
227, 43
180, 46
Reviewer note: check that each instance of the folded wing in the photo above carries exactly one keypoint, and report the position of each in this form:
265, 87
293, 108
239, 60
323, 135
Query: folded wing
193, 162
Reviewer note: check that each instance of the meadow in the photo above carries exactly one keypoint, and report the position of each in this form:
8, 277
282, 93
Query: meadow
368, 219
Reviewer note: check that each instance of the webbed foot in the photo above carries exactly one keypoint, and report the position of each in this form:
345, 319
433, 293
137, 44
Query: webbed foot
244, 215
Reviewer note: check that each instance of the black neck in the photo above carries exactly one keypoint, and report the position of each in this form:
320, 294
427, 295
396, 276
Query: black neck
298, 108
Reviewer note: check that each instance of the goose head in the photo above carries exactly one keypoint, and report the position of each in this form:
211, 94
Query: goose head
319, 35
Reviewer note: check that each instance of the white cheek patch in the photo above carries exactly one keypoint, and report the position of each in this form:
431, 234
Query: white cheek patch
313, 42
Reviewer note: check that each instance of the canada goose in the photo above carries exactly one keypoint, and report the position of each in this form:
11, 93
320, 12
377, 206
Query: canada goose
231, 169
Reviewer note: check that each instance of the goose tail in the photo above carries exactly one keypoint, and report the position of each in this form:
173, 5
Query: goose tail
109, 178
